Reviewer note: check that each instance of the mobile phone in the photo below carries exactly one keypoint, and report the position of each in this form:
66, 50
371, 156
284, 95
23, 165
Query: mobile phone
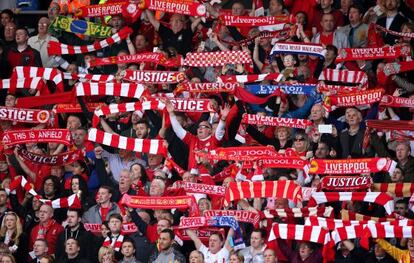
325, 128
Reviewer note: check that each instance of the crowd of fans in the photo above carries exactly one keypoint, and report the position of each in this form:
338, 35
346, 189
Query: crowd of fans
32, 231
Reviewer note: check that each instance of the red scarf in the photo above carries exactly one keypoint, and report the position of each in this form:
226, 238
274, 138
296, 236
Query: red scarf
51, 160
116, 244
35, 136
276, 121
249, 21
396, 102
29, 83
151, 76
240, 215
215, 59
157, 58
365, 97
391, 125
24, 115
396, 189
345, 183
351, 166
388, 52
298, 212
243, 153
188, 8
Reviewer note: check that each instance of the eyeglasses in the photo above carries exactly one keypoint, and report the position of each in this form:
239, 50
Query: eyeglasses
43, 24
160, 177
203, 127
299, 139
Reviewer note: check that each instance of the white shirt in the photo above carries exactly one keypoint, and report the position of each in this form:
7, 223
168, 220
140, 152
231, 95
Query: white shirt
41, 46
220, 257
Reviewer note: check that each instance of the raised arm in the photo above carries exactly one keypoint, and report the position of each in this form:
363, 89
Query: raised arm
151, 18
197, 242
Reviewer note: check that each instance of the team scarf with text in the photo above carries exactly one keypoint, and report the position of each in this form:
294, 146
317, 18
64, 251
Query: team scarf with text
391, 125
207, 189
300, 88
156, 58
345, 183
359, 78
215, 221
280, 189
215, 59
210, 87
52, 74
57, 48
51, 160
24, 115
395, 33
126, 107
249, 21
101, 10
299, 49
126, 228
296, 212
397, 67
170, 165
382, 199
229, 171
162, 202
351, 166
152, 76
188, 8
62, 136
130, 90
116, 244
243, 153
338, 89
255, 119
251, 78
81, 27
153, 146
396, 189
282, 161
18, 83
76, 107
244, 216
202, 233
365, 97
397, 102
388, 52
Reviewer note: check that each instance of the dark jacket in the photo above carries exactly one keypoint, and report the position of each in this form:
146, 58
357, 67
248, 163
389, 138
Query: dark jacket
178, 257
395, 26
77, 259
21, 253
372, 259
357, 255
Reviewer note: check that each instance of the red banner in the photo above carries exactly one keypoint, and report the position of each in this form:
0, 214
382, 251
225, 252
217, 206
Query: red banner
200, 188
398, 102
76, 108
239, 215
354, 99
388, 52
35, 136
216, 87
101, 10
51, 160
345, 183
351, 166
186, 7
244, 153
127, 228
192, 105
24, 115
157, 58
276, 121
249, 21
151, 76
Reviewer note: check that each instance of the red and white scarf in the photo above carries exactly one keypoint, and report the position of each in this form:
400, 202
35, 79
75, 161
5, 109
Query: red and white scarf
152, 76
21, 181
243, 153
298, 48
211, 87
130, 90
51, 160
188, 8
383, 199
28, 83
391, 125
330, 223
281, 161
71, 201
351, 166
345, 183
349, 215
91, 77
22, 72
397, 67
387, 52
157, 58
355, 77
276, 121
24, 115
62, 136
251, 78
397, 102
250, 21
365, 97
298, 212
279, 35
281, 189
240, 215
127, 228
153, 146
56, 48
192, 105
395, 33
384, 231
190, 187
346, 232
338, 89
396, 189
116, 244
126, 107
215, 59
76, 108
314, 234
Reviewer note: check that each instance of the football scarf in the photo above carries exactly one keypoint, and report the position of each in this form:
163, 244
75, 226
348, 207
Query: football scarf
359, 78
56, 48
391, 125
62, 136
211, 87
251, 78
130, 90
301, 88
24, 115
207, 189
351, 166
82, 27
255, 119
240, 215
152, 76
250, 21
396, 189
243, 153
331, 224
215, 59
397, 67
399, 34
71, 201
298, 212
27, 72
280, 189
299, 49
51, 160
388, 52
382, 199
156, 58
116, 244
187, 7
365, 97
397, 102
345, 183
27, 83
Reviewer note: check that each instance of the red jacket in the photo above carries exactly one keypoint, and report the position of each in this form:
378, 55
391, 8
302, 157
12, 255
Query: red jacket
51, 236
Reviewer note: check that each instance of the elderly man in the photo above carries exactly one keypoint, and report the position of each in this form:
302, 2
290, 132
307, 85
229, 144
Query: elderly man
405, 160
41, 40
47, 229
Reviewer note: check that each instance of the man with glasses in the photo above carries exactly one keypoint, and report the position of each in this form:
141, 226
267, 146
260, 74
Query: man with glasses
41, 40
9, 35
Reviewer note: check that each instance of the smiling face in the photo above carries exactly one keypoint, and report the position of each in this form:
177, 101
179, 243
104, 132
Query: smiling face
204, 130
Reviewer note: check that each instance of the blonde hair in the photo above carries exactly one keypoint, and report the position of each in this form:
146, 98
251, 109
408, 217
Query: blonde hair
17, 232
103, 251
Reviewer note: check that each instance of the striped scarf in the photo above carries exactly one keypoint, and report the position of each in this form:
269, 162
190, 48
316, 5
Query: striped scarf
298, 212
396, 189
130, 90
26, 83
347, 76
114, 243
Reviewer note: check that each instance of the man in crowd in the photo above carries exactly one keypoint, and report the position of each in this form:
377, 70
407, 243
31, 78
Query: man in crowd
103, 209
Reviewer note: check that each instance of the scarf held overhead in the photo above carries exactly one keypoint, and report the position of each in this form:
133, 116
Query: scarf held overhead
280, 189
354, 99
298, 48
255, 119
130, 90
82, 27
219, 58
351, 166
51, 160
152, 76
249, 21
397, 102
186, 7
388, 52
62, 136
240, 215
345, 183
157, 58
24, 115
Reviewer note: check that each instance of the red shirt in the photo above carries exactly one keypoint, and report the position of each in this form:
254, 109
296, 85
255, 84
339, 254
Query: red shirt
326, 40
195, 144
